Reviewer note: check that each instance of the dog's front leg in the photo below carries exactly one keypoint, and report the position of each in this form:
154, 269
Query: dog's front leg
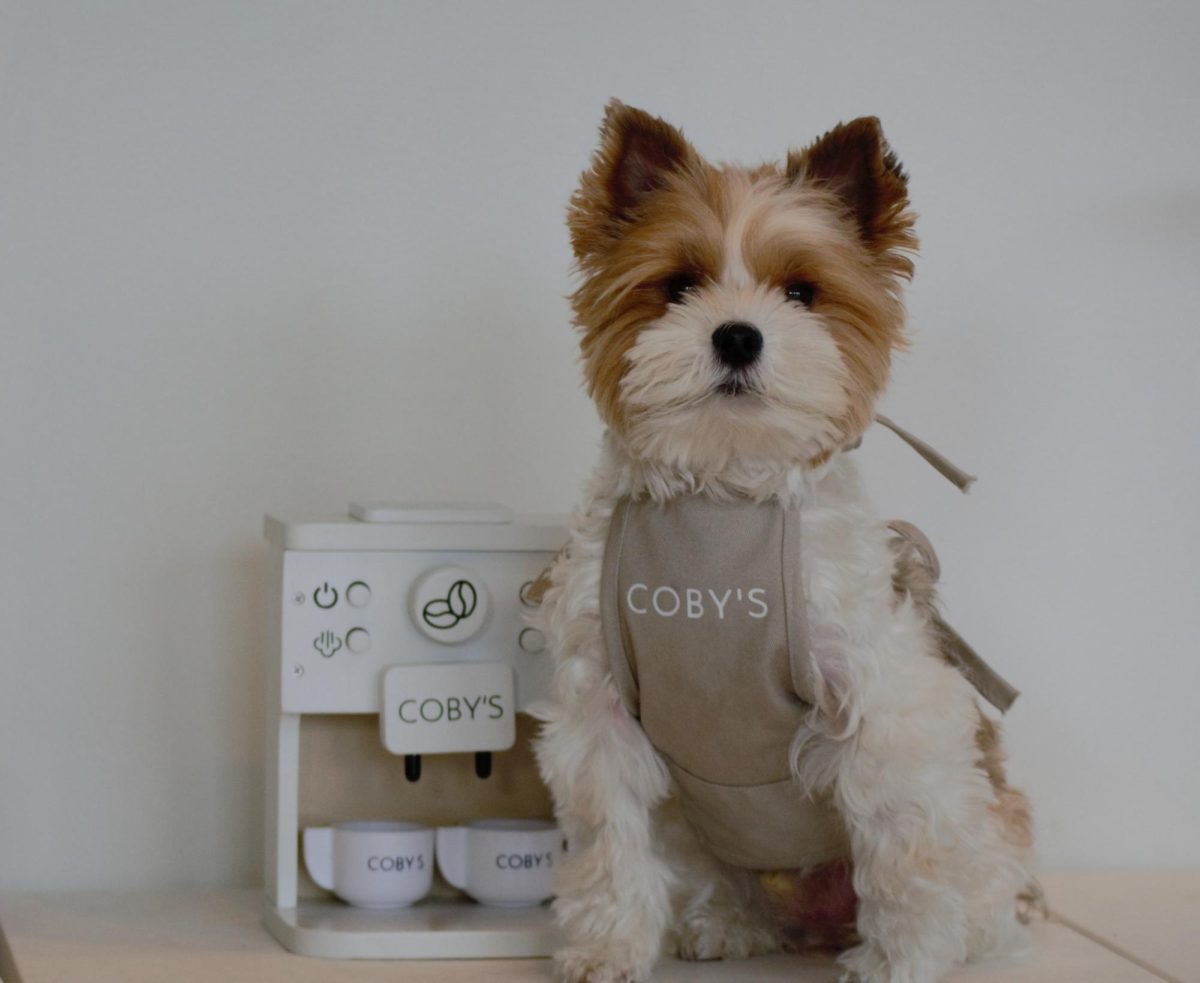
613, 899
897, 749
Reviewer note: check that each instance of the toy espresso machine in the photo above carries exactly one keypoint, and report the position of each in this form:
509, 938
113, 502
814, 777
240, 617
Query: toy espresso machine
402, 664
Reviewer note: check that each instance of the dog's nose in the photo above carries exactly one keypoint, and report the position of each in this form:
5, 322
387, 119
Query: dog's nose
737, 343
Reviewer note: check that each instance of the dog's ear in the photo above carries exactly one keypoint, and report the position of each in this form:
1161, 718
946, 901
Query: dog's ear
854, 161
637, 151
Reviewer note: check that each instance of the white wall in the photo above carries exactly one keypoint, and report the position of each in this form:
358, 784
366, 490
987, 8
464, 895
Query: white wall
276, 255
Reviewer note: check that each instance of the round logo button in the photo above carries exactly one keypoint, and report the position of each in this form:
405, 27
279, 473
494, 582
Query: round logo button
449, 604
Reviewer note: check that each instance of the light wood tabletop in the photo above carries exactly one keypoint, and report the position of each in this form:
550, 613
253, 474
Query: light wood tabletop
1105, 928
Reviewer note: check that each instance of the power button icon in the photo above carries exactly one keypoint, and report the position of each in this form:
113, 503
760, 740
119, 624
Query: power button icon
325, 596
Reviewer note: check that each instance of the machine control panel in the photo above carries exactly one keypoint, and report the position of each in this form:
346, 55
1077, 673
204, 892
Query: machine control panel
349, 616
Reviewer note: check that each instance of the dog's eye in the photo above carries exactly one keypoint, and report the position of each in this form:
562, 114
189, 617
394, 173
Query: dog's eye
801, 292
680, 285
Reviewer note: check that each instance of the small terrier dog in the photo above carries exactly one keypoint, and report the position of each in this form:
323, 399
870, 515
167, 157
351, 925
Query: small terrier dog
748, 688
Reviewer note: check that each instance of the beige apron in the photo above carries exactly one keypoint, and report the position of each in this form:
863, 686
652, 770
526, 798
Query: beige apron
702, 609
700, 590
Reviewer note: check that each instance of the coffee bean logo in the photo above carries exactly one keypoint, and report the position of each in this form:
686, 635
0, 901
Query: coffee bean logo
458, 604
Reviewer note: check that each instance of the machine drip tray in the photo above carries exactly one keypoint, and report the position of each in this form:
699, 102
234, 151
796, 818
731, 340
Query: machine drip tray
427, 930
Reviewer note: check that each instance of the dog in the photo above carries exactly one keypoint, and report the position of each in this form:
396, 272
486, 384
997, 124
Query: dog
706, 744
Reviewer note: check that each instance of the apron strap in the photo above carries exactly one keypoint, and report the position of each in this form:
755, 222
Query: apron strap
956, 475
953, 647
993, 687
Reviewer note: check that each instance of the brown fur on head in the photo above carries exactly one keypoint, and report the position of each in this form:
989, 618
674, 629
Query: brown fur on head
670, 247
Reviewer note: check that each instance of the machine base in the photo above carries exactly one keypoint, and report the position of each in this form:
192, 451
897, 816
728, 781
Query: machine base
428, 930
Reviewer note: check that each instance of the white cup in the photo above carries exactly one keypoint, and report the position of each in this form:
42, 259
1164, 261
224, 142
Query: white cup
506, 862
371, 864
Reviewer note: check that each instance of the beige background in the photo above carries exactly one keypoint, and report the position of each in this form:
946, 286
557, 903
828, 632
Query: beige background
275, 255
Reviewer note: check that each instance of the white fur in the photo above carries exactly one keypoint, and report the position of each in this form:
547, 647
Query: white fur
893, 738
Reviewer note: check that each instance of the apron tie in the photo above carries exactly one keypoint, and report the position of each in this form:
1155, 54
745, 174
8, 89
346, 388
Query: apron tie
955, 649
954, 474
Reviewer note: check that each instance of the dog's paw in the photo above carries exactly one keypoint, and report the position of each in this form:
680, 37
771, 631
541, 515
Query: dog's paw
589, 966
868, 963
864, 964
723, 935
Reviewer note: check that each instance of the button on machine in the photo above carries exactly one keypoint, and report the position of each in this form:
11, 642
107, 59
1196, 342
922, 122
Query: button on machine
449, 605
532, 641
358, 594
358, 640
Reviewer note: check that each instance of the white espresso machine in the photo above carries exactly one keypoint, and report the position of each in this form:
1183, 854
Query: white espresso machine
388, 624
